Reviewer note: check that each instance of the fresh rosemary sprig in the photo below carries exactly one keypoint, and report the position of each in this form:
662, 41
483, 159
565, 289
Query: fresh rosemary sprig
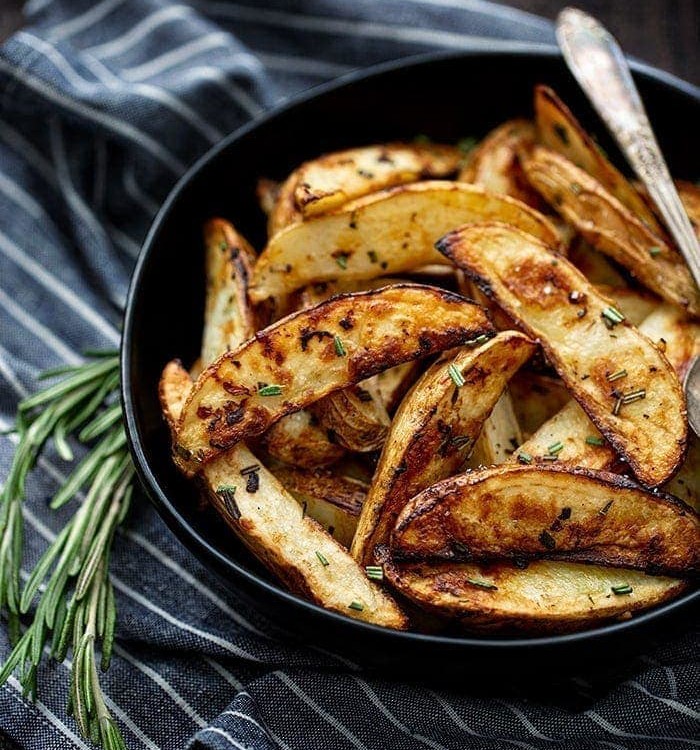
75, 606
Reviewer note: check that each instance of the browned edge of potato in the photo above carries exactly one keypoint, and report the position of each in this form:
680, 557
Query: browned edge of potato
312, 353
299, 440
435, 429
643, 413
557, 513
611, 228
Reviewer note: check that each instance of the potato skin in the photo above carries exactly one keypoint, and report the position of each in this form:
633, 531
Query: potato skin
300, 356
537, 512
555, 304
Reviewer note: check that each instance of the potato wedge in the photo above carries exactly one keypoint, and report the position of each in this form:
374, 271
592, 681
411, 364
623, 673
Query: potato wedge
434, 430
588, 342
355, 417
560, 131
527, 512
545, 597
597, 267
577, 440
335, 501
500, 435
276, 530
228, 318
299, 440
327, 183
267, 192
686, 484
536, 398
495, 165
394, 383
611, 227
312, 353
385, 233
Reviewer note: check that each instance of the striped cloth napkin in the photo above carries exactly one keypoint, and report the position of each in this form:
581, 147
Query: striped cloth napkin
102, 107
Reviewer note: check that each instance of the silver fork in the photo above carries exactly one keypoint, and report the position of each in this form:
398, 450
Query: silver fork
596, 60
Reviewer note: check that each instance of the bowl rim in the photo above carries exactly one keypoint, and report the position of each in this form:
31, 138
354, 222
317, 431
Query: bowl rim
198, 544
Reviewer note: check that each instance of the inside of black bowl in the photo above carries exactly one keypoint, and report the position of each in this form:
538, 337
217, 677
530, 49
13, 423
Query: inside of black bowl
445, 98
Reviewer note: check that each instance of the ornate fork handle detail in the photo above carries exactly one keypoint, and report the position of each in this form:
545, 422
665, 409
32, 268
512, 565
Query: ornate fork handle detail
599, 66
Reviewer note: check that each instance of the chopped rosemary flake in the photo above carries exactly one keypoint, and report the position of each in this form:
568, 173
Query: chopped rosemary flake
270, 390
482, 584
322, 559
342, 261
654, 251
375, 572
612, 316
555, 448
372, 255
575, 188
617, 375
456, 375
623, 588
223, 245
226, 491
595, 440
637, 395
358, 606
604, 510
339, 348
250, 469
616, 407
524, 458
550, 457
481, 339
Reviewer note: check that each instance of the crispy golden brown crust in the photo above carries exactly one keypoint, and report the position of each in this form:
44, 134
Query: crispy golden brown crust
611, 227
312, 353
299, 440
435, 429
537, 512
554, 303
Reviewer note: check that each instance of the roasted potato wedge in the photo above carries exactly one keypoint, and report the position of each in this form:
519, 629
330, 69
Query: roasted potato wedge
560, 131
267, 192
576, 439
312, 353
642, 415
262, 514
394, 383
299, 440
495, 165
536, 398
228, 318
335, 501
544, 597
527, 512
597, 267
355, 417
611, 227
434, 430
386, 233
327, 183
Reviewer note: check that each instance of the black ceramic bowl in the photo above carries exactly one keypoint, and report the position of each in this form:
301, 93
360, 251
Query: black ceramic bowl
446, 97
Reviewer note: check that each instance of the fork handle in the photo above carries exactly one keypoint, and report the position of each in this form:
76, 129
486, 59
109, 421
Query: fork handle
597, 62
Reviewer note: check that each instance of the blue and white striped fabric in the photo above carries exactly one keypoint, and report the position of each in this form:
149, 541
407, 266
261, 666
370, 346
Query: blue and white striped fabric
103, 105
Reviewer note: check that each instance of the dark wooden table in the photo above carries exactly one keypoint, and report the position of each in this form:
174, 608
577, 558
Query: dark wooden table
665, 33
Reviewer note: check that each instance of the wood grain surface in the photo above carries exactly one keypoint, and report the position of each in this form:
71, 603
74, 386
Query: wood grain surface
664, 33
